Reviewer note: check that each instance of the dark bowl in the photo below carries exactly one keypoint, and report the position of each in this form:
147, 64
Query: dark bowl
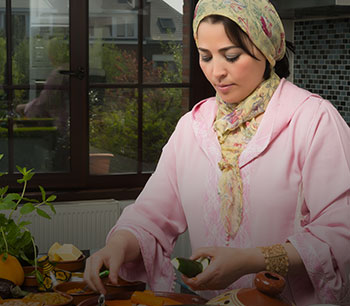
29, 277
180, 297
71, 265
77, 296
68, 302
123, 286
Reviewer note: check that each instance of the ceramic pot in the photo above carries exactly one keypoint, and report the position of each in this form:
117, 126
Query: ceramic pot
268, 287
99, 163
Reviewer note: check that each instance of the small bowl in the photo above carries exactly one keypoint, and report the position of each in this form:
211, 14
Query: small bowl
69, 298
123, 286
71, 265
77, 296
29, 278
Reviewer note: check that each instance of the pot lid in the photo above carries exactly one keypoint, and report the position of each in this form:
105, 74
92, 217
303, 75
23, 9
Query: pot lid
266, 293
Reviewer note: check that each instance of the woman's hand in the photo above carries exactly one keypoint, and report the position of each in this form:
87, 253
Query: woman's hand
226, 266
122, 247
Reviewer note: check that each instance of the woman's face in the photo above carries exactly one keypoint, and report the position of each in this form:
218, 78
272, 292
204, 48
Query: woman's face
233, 73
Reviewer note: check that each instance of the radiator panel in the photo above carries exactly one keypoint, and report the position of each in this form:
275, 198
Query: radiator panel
84, 224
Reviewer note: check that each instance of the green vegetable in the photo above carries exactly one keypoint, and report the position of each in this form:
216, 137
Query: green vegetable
190, 267
5, 288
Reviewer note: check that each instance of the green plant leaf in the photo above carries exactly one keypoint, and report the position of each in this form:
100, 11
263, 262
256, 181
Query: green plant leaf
12, 196
43, 193
16, 239
27, 174
30, 200
27, 208
3, 190
7, 205
51, 198
24, 223
42, 213
39, 277
21, 170
51, 207
4, 257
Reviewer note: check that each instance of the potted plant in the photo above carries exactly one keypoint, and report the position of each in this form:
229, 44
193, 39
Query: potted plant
16, 241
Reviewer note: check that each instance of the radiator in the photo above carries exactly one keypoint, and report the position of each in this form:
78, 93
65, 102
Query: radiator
82, 223
86, 225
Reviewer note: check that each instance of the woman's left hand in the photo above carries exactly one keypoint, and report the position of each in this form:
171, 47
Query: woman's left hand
226, 266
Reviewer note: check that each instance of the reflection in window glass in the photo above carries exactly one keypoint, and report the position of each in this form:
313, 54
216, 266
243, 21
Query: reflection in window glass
113, 42
39, 117
162, 109
164, 42
33, 27
113, 61
3, 133
113, 130
41, 131
3, 57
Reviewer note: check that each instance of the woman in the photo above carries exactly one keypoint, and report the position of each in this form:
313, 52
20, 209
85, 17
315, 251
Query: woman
259, 174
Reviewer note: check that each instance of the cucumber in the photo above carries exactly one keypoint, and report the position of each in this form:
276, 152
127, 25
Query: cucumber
189, 267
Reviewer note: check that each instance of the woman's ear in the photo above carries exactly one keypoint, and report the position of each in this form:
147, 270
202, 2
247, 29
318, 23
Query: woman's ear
267, 72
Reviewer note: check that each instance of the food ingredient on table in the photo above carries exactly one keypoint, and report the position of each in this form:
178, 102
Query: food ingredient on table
5, 288
11, 269
146, 297
190, 267
17, 302
65, 252
48, 298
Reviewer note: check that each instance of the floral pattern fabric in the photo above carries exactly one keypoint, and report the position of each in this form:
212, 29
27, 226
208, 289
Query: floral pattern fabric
235, 126
258, 19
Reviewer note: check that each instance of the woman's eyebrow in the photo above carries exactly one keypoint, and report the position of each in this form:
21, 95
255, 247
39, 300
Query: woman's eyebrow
220, 50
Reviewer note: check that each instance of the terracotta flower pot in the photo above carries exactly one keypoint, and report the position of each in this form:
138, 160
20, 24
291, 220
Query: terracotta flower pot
100, 163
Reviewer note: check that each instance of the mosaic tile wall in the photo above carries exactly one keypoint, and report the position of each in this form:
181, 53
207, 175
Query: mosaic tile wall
322, 60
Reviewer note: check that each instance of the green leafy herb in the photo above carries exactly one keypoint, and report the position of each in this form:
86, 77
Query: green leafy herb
15, 237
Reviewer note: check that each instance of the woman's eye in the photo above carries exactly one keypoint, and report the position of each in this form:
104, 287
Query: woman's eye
205, 58
232, 58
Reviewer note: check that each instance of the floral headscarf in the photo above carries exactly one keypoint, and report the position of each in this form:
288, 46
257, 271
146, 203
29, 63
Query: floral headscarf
257, 18
235, 124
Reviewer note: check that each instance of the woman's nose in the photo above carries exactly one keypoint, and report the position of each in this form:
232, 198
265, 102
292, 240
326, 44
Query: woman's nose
219, 69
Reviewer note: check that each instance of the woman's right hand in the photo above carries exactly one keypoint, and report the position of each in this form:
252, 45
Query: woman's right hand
121, 247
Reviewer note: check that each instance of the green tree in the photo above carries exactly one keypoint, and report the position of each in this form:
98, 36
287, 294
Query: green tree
113, 122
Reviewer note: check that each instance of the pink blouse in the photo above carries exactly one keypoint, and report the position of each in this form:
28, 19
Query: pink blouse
296, 182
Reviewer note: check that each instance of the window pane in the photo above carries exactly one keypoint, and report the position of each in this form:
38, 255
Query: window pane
162, 109
40, 39
113, 130
3, 132
39, 125
166, 41
3, 56
113, 41
41, 130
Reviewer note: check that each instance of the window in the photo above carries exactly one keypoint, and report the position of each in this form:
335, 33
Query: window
132, 3
125, 26
114, 90
166, 25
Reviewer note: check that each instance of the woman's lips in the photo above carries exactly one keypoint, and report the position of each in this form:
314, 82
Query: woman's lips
224, 88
